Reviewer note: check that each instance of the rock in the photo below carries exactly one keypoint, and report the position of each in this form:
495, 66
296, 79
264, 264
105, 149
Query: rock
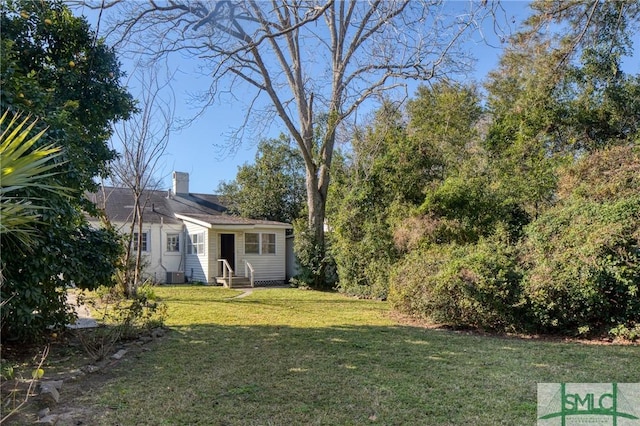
145, 339
91, 368
49, 392
119, 354
55, 383
43, 413
76, 374
48, 420
157, 333
69, 419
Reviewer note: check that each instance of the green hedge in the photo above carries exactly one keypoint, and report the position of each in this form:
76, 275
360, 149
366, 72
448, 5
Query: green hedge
475, 285
583, 266
575, 269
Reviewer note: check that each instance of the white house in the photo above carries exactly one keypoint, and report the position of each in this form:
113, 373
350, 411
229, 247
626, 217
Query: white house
188, 237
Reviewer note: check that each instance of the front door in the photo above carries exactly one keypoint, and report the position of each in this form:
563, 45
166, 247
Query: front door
228, 250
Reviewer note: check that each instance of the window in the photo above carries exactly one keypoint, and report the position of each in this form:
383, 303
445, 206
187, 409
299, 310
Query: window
268, 243
252, 243
173, 242
196, 244
145, 241
255, 243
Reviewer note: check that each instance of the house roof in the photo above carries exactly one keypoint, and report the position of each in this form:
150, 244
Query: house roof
166, 207
225, 220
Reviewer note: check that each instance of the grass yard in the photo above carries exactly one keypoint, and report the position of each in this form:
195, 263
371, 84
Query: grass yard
293, 357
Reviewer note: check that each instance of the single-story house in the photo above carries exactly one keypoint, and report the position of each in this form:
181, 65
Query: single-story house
189, 237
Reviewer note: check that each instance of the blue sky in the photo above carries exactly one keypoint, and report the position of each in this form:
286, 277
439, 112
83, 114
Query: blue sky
196, 149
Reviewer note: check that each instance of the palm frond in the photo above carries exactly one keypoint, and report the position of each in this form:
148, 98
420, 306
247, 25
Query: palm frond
23, 165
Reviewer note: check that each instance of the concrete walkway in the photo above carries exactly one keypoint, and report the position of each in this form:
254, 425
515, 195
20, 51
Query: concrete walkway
246, 291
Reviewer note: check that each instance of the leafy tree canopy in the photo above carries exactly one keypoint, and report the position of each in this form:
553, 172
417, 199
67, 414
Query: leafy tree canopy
55, 69
273, 188
394, 162
544, 236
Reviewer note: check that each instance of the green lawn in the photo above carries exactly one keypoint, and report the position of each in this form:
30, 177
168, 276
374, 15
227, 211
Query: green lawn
289, 357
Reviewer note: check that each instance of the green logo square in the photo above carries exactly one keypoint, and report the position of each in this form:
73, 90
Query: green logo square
564, 404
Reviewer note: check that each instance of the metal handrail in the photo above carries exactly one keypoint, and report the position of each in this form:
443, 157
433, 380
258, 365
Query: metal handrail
248, 266
226, 267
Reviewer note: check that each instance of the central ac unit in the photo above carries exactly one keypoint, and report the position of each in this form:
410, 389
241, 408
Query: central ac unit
175, 277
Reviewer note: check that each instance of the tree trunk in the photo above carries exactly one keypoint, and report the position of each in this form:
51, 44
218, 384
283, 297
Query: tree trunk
138, 270
317, 188
131, 278
126, 280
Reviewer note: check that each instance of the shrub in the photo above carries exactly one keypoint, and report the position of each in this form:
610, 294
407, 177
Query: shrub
474, 285
575, 269
363, 264
583, 259
35, 285
128, 317
316, 266
418, 285
606, 175
627, 332
583, 254
363, 275
464, 209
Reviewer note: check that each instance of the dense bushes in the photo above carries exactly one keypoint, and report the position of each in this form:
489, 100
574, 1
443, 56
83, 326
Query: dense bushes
583, 255
55, 68
363, 249
474, 285
385, 176
576, 271
87, 262
576, 268
522, 214
468, 209
536, 227
583, 263
313, 259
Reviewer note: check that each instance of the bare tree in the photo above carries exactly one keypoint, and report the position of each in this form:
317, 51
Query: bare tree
141, 142
307, 58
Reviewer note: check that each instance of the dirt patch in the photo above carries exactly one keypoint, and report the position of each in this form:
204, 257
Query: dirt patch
81, 376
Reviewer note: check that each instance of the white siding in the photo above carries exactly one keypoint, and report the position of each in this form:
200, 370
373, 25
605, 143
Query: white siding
268, 267
240, 254
197, 265
203, 267
157, 261
161, 261
292, 264
212, 247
